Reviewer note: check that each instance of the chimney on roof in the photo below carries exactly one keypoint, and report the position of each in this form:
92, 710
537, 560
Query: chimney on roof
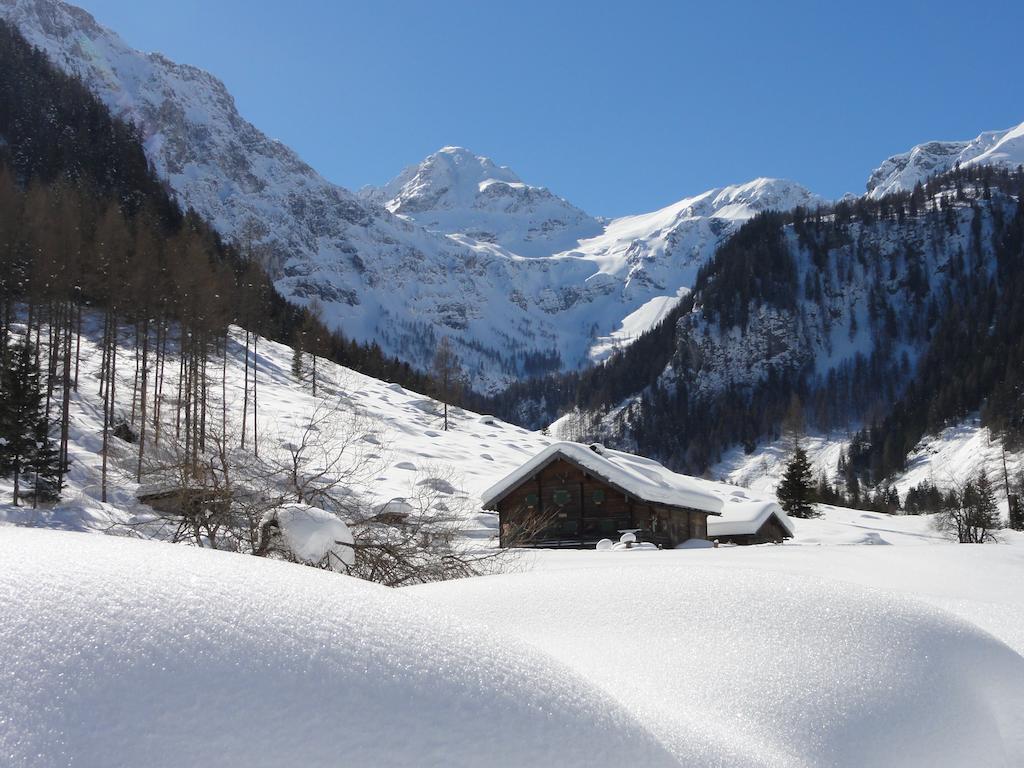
597, 448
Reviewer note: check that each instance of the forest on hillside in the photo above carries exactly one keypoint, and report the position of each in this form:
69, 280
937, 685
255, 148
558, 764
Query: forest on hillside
86, 226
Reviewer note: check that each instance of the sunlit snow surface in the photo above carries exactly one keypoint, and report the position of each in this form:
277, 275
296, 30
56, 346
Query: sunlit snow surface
126, 653
742, 666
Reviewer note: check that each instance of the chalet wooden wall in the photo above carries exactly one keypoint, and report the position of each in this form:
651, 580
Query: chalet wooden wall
771, 531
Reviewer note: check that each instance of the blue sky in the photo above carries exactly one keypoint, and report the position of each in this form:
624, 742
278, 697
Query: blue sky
621, 107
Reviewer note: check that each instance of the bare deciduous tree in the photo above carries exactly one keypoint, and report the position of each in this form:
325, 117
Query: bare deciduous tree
447, 375
969, 512
226, 497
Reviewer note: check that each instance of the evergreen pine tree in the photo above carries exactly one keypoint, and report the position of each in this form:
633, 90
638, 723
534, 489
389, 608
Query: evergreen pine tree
26, 449
795, 492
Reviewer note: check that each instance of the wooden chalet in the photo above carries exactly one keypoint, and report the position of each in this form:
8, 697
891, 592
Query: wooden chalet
574, 495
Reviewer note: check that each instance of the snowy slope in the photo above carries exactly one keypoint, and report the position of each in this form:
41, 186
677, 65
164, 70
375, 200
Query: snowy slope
454, 191
395, 435
901, 172
945, 460
127, 653
399, 434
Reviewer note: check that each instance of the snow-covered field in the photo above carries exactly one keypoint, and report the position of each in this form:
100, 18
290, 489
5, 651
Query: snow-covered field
867, 640
121, 653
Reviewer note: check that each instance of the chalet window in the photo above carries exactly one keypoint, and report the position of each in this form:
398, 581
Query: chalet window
531, 499
598, 496
561, 496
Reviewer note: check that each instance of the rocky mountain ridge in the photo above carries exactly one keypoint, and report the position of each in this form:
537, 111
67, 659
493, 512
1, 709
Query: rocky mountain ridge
901, 172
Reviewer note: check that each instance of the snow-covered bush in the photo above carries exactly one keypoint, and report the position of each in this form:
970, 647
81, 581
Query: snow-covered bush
307, 535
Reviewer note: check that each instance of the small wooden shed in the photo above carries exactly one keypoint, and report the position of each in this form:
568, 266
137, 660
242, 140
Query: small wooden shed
750, 521
574, 495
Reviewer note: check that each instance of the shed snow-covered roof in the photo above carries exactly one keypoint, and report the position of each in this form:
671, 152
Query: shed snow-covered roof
743, 516
643, 478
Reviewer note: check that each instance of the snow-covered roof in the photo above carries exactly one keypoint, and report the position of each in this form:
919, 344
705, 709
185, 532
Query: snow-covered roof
643, 478
742, 516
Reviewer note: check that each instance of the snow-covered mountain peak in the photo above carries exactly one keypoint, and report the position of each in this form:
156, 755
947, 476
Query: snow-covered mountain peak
458, 192
450, 178
693, 226
52, 17
741, 201
901, 172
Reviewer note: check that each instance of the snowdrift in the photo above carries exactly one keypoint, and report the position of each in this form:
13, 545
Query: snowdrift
129, 653
737, 667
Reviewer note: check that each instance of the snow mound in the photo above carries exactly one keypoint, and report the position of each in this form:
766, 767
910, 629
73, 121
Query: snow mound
695, 544
745, 667
312, 533
129, 653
